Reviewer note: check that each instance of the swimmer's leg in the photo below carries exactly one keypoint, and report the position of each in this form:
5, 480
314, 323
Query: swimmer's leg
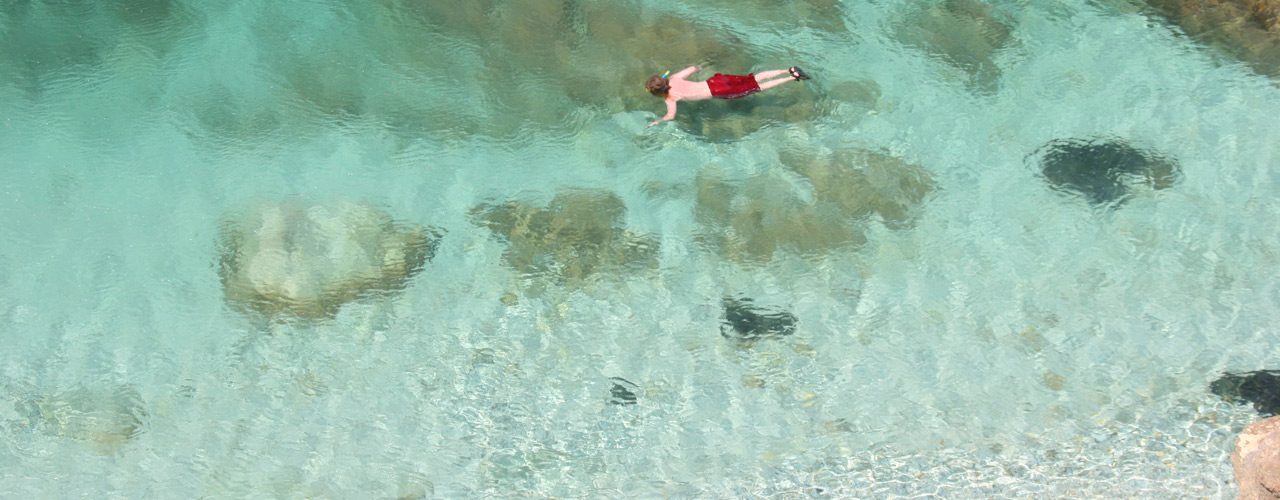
787, 75
774, 83
765, 75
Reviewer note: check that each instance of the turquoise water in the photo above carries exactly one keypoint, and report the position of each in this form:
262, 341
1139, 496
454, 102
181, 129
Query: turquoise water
985, 337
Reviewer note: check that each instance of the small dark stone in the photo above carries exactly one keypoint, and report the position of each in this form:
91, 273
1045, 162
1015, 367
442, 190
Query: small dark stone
622, 392
1103, 170
1262, 388
743, 321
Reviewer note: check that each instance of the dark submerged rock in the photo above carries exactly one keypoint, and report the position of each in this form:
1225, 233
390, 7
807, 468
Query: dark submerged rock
622, 392
41, 45
1262, 388
744, 321
1104, 170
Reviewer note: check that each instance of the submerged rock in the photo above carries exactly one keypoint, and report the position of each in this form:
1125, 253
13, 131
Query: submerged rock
965, 34
622, 392
102, 418
1248, 29
305, 260
528, 70
41, 48
1262, 388
1105, 170
577, 235
1256, 460
824, 16
764, 215
862, 93
861, 183
742, 320
625, 40
551, 65
824, 207
719, 120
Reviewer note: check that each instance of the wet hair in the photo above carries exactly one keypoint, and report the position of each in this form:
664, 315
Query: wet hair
657, 85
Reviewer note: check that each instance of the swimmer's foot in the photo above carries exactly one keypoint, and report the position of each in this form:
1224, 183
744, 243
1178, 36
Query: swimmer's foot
798, 73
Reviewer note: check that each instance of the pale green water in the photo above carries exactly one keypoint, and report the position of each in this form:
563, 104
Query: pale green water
1007, 340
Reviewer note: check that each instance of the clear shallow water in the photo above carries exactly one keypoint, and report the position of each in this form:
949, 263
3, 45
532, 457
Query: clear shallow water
1010, 341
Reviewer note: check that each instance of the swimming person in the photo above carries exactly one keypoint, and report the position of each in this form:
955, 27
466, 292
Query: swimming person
675, 87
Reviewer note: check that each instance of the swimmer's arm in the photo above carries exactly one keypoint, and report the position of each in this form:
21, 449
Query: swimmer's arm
671, 113
684, 73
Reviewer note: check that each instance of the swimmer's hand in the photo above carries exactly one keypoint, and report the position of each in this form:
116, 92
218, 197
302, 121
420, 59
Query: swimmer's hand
671, 112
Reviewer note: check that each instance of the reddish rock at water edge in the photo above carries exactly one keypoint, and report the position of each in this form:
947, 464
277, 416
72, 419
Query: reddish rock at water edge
1257, 460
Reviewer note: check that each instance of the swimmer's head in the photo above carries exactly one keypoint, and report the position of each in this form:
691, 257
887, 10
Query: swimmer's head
657, 85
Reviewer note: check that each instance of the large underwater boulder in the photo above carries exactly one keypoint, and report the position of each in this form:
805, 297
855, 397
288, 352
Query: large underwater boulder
811, 206
550, 66
306, 260
515, 70
1248, 29
578, 235
103, 417
862, 183
1103, 170
752, 220
965, 34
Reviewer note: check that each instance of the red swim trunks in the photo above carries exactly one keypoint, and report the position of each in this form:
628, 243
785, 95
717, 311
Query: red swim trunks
732, 86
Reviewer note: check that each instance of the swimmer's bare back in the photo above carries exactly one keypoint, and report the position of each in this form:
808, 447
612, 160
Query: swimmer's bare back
677, 87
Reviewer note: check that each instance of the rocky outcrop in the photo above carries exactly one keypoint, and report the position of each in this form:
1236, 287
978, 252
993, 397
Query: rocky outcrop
295, 259
578, 235
1257, 460
1249, 29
